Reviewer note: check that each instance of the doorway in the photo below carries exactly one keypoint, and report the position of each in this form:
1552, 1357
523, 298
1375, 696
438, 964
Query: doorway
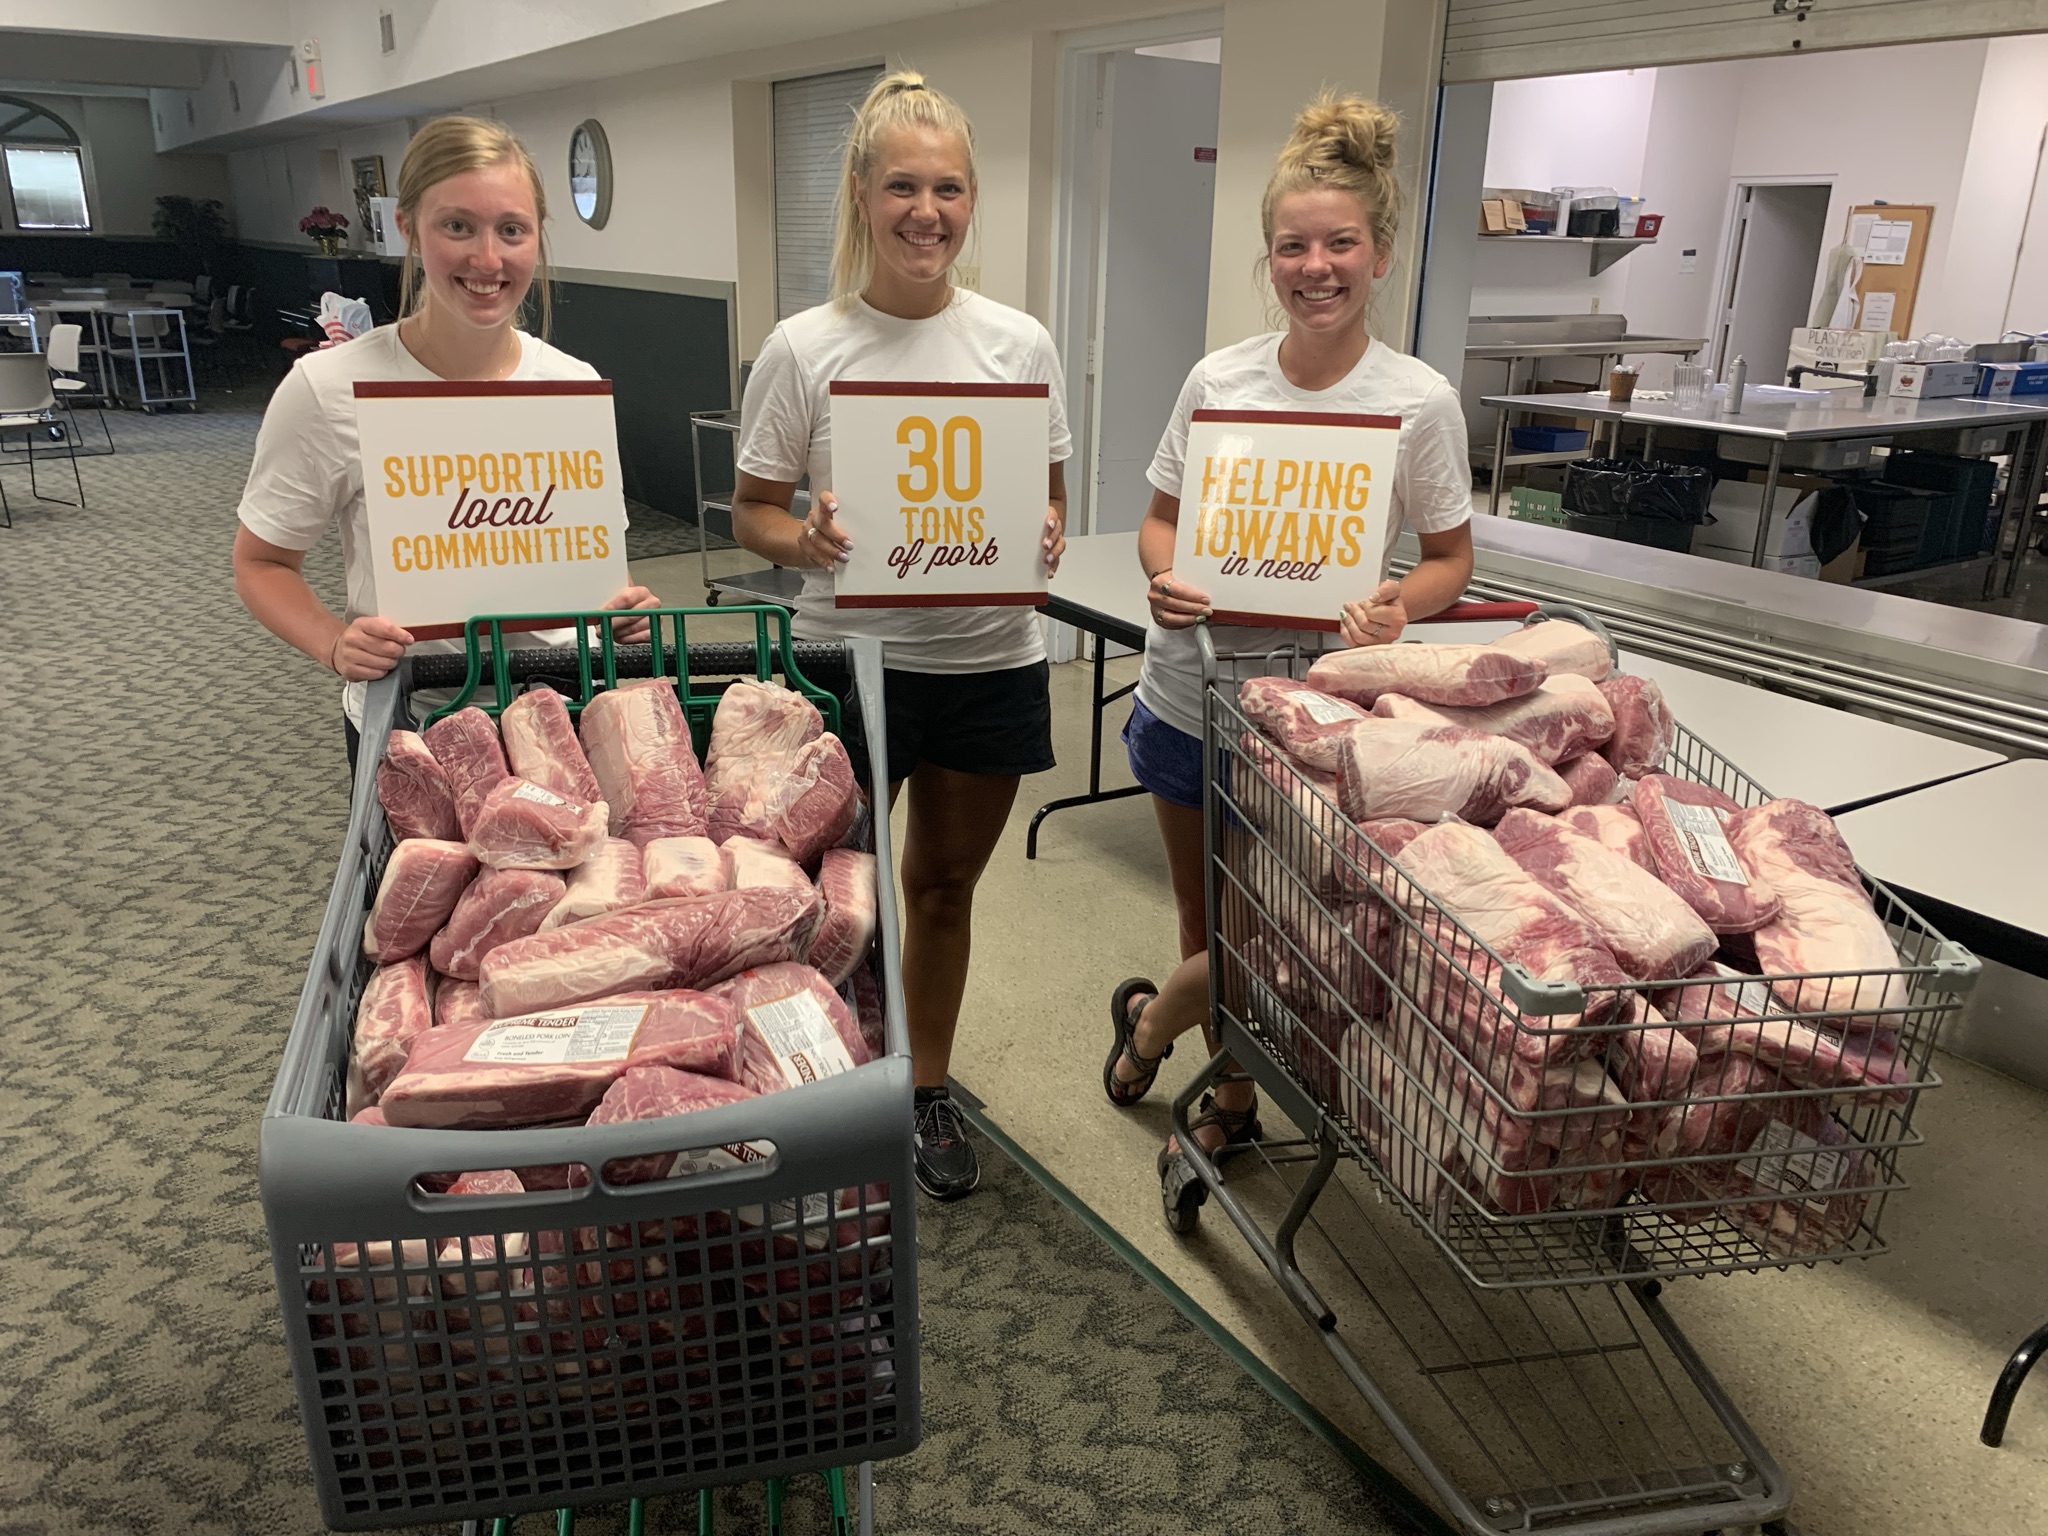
1138, 190
1770, 261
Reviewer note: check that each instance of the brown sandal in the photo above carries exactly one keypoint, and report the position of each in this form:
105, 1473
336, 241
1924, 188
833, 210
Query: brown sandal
1123, 1019
1240, 1128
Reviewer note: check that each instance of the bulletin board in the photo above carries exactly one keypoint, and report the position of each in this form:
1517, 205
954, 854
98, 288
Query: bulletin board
1892, 240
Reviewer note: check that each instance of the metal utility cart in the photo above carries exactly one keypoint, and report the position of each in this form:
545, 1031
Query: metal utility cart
1493, 1290
587, 1342
772, 584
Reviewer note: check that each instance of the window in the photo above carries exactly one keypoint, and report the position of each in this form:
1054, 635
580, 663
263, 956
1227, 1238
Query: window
590, 173
48, 187
811, 118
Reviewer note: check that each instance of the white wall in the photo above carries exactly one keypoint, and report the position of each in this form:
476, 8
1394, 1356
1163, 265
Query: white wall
127, 175
1991, 202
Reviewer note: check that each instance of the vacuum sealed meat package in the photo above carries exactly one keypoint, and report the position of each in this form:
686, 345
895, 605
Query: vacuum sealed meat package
466, 746
393, 1012
847, 880
1562, 718
423, 879
520, 825
684, 866
499, 906
1433, 674
795, 1028
1686, 825
1643, 727
413, 788
638, 743
1425, 772
1561, 646
1590, 777
609, 879
541, 745
1307, 725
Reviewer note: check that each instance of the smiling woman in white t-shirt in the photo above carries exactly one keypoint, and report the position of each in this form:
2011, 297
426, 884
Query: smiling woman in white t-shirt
966, 688
472, 210
1330, 212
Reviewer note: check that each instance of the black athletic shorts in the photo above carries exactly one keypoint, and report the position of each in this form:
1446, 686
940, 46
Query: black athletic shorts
972, 722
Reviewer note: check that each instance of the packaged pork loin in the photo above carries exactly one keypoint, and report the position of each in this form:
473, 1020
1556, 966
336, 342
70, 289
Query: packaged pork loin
684, 866
1420, 771
467, 747
795, 1028
457, 1002
1643, 725
395, 1009
423, 879
541, 745
1590, 777
1434, 674
658, 1093
609, 879
848, 882
499, 906
676, 943
638, 742
547, 1068
523, 826
1561, 646
760, 861
1616, 826
413, 788
1305, 724
1685, 825
1725, 1012
757, 723
1562, 718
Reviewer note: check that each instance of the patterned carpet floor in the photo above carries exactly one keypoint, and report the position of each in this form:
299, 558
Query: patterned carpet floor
172, 795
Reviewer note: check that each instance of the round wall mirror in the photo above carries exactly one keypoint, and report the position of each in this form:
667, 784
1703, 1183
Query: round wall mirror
590, 173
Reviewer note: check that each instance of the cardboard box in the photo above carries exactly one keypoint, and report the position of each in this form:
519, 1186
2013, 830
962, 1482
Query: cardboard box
2011, 381
1807, 566
1935, 381
1846, 567
1493, 216
1735, 508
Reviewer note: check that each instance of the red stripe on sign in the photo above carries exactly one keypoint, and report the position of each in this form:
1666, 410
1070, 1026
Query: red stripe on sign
1273, 620
441, 389
945, 600
984, 391
1299, 418
454, 631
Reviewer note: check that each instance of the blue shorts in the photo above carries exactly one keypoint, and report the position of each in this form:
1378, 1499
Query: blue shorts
1168, 762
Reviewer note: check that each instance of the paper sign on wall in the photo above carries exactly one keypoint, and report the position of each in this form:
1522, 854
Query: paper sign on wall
1283, 514
1887, 243
942, 488
491, 497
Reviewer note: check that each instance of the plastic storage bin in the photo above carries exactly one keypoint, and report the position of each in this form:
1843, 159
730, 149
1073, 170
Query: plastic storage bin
461, 1358
1540, 439
1971, 481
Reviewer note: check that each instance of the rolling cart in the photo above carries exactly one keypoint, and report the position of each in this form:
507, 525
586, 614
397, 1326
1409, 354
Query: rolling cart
1491, 1286
474, 1357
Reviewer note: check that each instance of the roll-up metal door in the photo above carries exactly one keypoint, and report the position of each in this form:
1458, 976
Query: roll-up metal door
1512, 39
811, 118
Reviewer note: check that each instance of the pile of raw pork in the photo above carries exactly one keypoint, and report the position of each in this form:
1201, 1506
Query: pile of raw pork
591, 930
1518, 786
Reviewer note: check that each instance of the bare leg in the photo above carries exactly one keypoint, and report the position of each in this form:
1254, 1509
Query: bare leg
955, 822
1183, 1000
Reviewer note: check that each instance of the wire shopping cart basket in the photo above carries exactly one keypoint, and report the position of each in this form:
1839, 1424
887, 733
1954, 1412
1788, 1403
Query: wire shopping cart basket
1555, 1148
596, 1339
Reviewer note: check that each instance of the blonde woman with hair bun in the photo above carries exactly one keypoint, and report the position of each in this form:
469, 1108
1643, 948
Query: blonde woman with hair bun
1329, 216
968, 704
473, 213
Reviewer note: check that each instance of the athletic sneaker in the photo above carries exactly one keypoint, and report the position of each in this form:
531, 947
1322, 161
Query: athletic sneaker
946, 1166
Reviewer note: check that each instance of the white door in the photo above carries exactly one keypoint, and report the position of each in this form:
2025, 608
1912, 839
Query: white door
1154, 305
1773, 259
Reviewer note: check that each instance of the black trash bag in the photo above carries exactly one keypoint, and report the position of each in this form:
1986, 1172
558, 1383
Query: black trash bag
1678, 493
1836, 523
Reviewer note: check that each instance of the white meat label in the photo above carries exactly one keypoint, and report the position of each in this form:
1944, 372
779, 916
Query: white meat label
1749, 997
799, 1033
1706, 845
709, 1159
535, 793
1325, 710
1792, 1163
561, 1039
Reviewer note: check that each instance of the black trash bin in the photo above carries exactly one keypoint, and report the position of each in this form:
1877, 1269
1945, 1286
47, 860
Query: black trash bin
1640, 501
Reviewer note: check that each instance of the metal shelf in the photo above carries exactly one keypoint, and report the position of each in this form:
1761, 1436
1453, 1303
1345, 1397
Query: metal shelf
1603, 251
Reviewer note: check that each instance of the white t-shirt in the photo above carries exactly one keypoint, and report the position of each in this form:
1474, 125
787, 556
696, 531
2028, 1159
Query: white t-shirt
786, 433
308, 470
1432, 487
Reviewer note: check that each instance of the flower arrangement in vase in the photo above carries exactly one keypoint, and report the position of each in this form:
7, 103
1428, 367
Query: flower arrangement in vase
327, 228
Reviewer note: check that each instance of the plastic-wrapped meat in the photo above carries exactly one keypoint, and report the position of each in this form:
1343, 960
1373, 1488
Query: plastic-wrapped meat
1827, 923
1686, 826
1433, 674
1424, 772
684, 943
684, 866
1305, 724
657, 1093
1653, 934
869, 1010
795, 1028
393, 1012
423, 879
500, 905
1725, 1012
1509, 911
1561, 646
539, 1069
756, 724
457, 1003
754, 861
814, 799
1615, 827
609, 879
638, 743
1563, 718
466, 746
523, 826
413, 788
1643, 727
847, 882
1327, 849
1590, 777
541, 745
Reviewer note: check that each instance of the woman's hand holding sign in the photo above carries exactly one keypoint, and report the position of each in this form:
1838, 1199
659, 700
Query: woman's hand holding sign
1175, 604
1378, 620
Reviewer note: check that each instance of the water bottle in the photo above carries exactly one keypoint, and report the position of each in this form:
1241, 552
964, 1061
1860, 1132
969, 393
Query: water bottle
1738, 375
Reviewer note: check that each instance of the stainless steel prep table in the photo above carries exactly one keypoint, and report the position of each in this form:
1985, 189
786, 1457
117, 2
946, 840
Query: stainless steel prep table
1514, 339
1840, 418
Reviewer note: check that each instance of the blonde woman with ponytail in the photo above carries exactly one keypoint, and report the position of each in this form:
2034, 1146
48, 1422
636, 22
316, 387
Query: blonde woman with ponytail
473, 213
966, 688
1330, 213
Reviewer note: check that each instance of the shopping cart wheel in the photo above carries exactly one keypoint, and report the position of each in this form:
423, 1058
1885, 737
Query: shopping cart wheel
1182, 1193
